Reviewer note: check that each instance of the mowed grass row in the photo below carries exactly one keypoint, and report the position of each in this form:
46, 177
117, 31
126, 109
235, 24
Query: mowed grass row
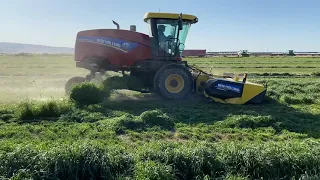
292, 107
85, 145
41, 65
285, 61
161, 139
165, 139
265, 71
263, 66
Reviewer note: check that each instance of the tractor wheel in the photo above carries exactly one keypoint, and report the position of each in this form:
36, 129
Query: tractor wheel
173, 82
72, 82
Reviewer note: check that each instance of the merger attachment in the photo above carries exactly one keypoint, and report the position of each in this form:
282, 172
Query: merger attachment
227, 89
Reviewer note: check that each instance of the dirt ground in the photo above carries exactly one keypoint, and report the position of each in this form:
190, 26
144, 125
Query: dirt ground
36, 77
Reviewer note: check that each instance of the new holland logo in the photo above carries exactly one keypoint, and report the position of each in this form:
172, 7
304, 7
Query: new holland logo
116, 43
125, 46
226, 87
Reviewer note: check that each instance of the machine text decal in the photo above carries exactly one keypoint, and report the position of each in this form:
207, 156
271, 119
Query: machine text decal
226, 87
116, 43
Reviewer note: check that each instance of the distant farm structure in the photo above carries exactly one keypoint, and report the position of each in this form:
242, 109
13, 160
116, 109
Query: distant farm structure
245, 53
194, 53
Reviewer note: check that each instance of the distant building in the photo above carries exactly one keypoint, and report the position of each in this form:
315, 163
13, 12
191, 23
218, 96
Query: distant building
223, 53
194, 52
307, 53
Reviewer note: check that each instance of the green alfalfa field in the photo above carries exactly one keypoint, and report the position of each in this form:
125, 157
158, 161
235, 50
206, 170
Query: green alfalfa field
132, 136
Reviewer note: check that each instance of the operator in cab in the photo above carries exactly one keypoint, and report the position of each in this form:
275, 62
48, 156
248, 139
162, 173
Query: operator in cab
163, 39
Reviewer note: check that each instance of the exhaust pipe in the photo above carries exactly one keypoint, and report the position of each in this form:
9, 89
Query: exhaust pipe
133, 28
118, 26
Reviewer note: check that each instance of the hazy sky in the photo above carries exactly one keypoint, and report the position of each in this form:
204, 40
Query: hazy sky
256, 25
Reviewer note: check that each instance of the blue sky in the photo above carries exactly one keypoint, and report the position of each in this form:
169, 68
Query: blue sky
256, 25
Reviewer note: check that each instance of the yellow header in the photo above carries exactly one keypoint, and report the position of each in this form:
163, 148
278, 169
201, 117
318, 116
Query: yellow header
151, 15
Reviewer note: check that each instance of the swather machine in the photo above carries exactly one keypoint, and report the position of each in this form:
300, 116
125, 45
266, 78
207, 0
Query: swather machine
155, 60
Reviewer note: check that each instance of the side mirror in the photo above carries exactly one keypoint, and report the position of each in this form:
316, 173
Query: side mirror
180, 26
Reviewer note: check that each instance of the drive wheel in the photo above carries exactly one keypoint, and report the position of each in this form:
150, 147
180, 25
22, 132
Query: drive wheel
72, 82
173, 82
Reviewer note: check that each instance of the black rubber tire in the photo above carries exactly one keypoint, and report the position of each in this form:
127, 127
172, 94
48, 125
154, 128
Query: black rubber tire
71, 82
88, 77
164, 72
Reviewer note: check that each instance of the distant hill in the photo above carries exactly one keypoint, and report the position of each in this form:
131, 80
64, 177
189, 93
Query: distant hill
14, 48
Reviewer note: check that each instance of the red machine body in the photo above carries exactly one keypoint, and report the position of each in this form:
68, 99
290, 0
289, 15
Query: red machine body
115, 47
152, 62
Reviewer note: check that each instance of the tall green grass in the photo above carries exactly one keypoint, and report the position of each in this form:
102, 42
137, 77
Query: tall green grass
153, 170
164, 160
76, 161
30, 111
